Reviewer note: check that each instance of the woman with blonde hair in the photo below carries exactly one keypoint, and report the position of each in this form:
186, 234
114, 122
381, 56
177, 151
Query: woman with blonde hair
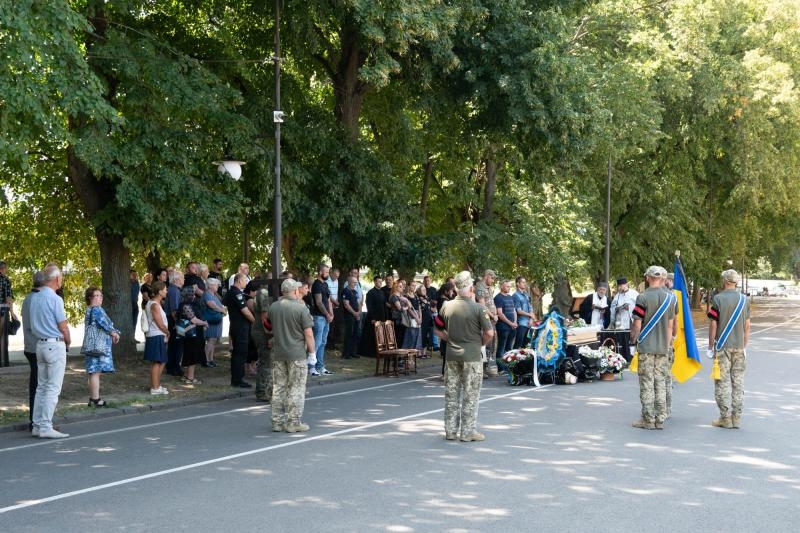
398, 303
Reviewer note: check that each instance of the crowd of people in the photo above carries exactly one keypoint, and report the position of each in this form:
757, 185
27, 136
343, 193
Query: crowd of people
283, 339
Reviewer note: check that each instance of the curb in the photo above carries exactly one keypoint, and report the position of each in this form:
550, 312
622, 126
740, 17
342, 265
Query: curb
81, 416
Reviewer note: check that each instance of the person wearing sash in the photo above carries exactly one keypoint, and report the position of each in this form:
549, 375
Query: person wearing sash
653, 317
728, 334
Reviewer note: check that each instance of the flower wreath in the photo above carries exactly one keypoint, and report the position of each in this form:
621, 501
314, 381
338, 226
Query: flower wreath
550, 337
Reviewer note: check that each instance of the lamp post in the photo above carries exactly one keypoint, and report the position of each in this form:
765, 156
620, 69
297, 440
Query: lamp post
608, 223
277, 118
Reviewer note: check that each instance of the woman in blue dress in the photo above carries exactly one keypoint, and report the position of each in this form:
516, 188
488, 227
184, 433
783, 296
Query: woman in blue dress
96, 317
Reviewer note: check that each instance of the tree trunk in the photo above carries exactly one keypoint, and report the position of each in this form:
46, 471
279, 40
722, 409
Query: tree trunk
115, 261
347, 88
153, 261
491, 187
426, 186
115, 257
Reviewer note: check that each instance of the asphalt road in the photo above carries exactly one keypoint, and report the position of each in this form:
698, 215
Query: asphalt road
557, 458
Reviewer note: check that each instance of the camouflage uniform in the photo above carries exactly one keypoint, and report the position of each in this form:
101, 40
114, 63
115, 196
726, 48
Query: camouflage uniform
260, 339
290, 320
464, 320
653, 371
729, 389
483, 295
654, 350
732, 365
461, 409
288, 392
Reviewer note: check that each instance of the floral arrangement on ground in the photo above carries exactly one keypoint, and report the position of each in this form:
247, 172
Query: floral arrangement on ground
607, 359
513, 357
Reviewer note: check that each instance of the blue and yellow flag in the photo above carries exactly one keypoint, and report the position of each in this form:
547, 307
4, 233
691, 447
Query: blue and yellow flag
687, 358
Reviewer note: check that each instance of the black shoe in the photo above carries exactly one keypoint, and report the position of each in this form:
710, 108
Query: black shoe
212, 364
242, 384
354, 356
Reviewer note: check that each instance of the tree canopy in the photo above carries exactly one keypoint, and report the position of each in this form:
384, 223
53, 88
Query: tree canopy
418, 134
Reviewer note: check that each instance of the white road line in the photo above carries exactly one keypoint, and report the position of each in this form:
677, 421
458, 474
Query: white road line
199, 417
87, 490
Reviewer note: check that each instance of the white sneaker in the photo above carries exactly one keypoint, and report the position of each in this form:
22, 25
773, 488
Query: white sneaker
326, 372
313, 372
34, 432
52, 434
159, 391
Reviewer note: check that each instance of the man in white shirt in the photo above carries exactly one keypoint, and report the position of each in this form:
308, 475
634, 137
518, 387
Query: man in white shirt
337, 326
244, 268
621, 313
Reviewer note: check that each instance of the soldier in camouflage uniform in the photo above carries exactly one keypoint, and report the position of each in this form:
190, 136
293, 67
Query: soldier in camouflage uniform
729, 389
466, 326
653, 349
292, 343
485, 297
261, 338
668, 284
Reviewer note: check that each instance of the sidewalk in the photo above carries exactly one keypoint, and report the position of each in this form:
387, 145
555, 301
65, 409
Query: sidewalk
127, 390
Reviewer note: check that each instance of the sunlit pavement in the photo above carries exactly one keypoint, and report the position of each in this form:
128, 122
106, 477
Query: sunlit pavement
559, 458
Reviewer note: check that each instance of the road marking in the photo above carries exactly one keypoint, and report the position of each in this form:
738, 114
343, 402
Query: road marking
43, 442
87, 490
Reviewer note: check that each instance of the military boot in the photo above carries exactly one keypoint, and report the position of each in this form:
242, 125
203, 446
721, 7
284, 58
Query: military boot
658, 425
736, 421
643, 424
450, 436
722, 422
473, 437
296, 427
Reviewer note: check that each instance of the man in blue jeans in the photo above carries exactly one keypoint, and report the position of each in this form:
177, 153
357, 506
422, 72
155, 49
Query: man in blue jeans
322, 313
507, 321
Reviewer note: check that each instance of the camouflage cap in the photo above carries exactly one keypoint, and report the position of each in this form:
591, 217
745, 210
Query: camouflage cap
463, 280
656, 271
289, 286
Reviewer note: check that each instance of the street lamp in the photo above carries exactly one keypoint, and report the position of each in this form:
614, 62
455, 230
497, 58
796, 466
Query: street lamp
231, 167
234, 168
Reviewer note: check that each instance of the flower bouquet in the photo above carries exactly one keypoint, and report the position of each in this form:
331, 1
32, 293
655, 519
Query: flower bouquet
520, 365
602, 361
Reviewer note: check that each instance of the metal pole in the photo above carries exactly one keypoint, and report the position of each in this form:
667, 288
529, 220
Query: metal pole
276, 227
608, 223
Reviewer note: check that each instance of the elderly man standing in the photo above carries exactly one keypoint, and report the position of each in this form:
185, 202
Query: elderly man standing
466, 326
48, 323
728, 334
484, 296
292, 346
594, 308
621, 315
171, 305
653, 316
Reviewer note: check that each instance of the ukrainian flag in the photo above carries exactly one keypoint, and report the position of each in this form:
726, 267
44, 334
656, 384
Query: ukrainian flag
687, 358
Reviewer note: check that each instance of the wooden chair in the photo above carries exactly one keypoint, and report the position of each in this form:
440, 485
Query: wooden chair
390, 357
405, 354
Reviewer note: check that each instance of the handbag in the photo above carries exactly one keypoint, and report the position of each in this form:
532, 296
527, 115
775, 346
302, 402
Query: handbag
94, 340
13, 325
144, 319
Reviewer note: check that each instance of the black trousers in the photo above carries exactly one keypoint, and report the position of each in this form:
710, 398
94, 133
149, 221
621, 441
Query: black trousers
33, 381
350, 335
174, 350
239, 335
